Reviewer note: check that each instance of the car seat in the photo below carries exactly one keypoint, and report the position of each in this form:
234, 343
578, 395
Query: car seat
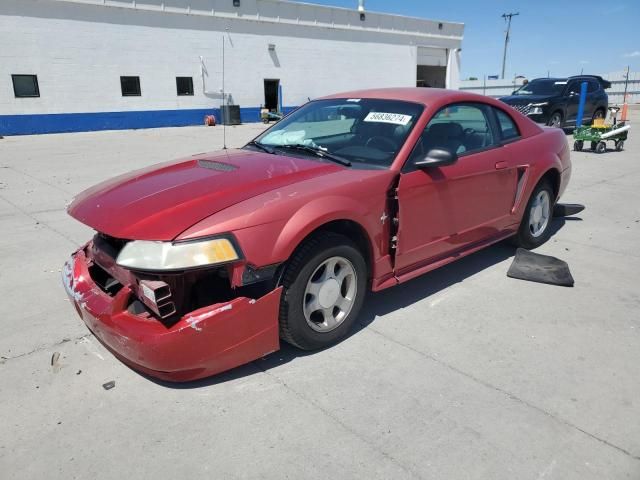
447, 135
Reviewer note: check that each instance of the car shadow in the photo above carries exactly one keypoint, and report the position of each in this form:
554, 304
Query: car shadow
379, 304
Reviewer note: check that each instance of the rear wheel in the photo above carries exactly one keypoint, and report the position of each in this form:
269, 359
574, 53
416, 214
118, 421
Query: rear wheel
555, 120
593, 146
325, 284
578, 145
601, 147
535, 226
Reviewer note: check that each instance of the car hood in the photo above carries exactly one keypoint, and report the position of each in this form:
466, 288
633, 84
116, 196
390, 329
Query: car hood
526, 99
160, 202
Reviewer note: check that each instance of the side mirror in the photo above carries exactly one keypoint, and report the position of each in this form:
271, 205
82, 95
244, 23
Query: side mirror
437, 157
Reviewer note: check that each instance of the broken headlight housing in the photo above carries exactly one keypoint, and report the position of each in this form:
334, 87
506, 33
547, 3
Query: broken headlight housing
163, 256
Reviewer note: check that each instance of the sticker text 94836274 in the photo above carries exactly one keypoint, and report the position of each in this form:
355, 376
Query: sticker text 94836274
383, 117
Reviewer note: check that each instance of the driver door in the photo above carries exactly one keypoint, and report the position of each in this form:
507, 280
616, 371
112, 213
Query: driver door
444, 210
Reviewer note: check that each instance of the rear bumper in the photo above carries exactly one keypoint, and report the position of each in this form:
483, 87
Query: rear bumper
202, 343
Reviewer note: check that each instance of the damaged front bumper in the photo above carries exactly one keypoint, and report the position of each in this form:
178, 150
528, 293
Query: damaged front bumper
201, 343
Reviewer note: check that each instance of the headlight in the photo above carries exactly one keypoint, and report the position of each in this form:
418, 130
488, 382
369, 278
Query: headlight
536, 108
147, 255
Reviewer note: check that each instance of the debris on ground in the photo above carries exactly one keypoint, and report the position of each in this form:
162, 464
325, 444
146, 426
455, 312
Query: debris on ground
567, 209
78, 372
109, 385
540, 268
55, 362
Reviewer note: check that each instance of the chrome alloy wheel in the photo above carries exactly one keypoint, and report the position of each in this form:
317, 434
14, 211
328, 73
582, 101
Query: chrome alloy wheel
330, 294
556, 120
540, 213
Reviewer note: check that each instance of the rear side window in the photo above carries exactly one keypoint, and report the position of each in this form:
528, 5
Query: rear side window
574, 87
508, 128
592, 86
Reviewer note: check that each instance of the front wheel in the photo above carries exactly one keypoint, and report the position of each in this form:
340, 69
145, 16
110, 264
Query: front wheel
601, 147
325, 284
535, 228
578, 145
619, 145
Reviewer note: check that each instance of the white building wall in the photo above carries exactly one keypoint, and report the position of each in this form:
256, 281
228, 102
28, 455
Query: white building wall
79, 50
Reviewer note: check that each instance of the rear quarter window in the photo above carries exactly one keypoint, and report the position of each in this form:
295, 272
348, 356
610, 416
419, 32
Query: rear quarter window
508, 128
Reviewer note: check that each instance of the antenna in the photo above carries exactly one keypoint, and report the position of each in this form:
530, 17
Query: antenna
507, 17
223, 112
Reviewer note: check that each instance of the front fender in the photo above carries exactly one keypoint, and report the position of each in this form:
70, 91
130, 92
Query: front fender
320, 212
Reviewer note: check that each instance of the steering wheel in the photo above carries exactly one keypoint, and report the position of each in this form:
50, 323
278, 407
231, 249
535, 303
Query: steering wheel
380, 140
469, 131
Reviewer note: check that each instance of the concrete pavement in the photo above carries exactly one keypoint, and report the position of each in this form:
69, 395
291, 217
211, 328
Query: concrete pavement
460, 374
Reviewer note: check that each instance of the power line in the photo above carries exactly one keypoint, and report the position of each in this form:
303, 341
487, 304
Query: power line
507, 17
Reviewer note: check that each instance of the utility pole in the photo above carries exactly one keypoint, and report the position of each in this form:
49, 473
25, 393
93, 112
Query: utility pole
507, 17
626, 83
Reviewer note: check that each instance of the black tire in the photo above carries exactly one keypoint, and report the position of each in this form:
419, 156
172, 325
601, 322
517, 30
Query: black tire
593, 146
619, 145
294, 328
555, 120
578, 145
601, 147
524, 238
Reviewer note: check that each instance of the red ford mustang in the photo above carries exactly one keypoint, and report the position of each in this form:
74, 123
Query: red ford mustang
205, 263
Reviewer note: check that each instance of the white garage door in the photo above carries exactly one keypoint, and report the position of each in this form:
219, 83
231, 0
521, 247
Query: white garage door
432, 56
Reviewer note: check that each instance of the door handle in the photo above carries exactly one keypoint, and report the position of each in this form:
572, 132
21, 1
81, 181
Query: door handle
501, 165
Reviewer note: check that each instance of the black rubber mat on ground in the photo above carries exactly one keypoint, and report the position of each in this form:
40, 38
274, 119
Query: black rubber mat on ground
540, 268
567, 209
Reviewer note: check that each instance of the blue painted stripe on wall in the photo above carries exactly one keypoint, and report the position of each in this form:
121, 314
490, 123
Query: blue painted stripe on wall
86, 122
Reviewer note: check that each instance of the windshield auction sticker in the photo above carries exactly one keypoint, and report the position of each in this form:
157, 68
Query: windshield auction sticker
382, 117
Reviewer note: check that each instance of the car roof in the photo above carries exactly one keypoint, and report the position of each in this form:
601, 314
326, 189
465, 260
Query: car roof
553, 79
424, 95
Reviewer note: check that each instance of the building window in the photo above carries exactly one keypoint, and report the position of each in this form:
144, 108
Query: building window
25, 86
130, 86
184, 86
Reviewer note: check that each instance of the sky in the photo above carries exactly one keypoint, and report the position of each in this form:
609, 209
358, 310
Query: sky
559, 37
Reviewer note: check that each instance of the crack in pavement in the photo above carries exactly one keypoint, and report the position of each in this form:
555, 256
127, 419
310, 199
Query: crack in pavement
602, 249
39, 221
503, 392
45, 347
346, 427
44, 182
